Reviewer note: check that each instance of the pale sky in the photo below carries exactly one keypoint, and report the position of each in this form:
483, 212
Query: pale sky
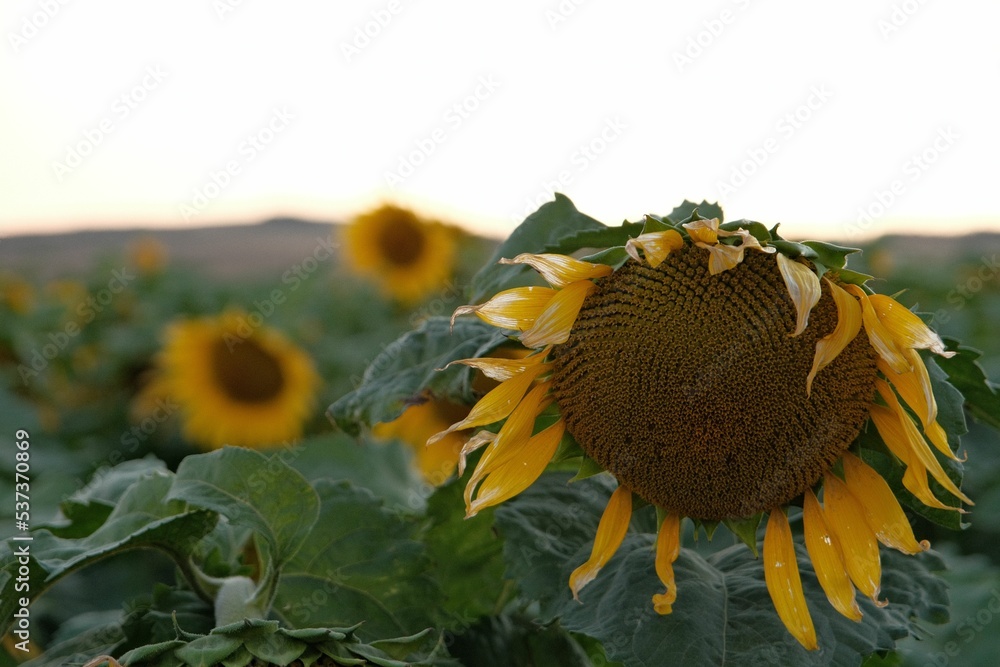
839, 120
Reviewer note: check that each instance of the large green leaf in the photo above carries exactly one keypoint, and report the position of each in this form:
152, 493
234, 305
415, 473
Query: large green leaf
410, 366
723, 614
251, 489
365, 563
145, 516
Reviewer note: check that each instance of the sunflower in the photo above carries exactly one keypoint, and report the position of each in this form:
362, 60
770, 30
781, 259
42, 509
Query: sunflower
418, 423
722, 374
236, 384
408, 257
148, 255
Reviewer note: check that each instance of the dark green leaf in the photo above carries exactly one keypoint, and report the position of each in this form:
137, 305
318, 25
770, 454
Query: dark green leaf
686, 209
410, 366
207, 651
542, 231
510, 641
251, 489
364, 564
981, 396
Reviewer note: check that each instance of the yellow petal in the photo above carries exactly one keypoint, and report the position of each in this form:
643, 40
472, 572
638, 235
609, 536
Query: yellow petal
917, 444
472, 444
515, 308
515, 475
781, 573
668, 547
705, 231
560, 270
722, 257
749, 241
656, 246
500, 370
846, 520
848, 326
610, 533
882, 510
496, 404
915, 389
554, 324
804, 288
906, 327
827, 559
895, 438
881, 338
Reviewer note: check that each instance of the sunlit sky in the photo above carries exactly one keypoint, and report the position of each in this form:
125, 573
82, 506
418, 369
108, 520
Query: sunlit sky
842, 120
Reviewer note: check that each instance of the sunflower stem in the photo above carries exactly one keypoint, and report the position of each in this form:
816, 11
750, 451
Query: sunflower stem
504, 597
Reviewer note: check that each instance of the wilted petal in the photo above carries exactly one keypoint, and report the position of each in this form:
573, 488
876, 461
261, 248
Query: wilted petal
722, 257
916, 443
881, 338
498, 403
827, 559
882, 510
553, 325
610, 533
847, 523
560, 270
655, 245
668, 547
705, 231
803, 287
520, 471
848, 326
472, 444
906, 327
501, 370
515, 308
781, 573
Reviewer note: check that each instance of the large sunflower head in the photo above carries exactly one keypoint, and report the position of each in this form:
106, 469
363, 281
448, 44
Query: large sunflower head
237, 384
407, 256
723, 374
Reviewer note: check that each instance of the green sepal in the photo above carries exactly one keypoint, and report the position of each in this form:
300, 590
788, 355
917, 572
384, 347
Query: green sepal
709, 527
848, 276
746, 530
613, 257
588, 468
756, 229
791, 249
654, 223
831, 255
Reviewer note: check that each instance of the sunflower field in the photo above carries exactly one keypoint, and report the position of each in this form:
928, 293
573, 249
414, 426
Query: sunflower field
680, 440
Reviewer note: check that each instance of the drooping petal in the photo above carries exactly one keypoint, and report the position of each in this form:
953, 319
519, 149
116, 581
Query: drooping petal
668, 547
515, 475
882, 510
915, 441
915, 390
722, 257
828, 560
515, 308
846, 520
497, 404
705, 231
749, 242
610, 533
881, 338
906, 327
500, 370
472, 444
803, 287
848, 326
560, 270
554, 324
915, 478
655, 245
781, 574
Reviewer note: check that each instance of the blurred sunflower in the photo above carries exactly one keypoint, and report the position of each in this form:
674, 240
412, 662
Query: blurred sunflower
719, 375
407, 256
148, 255
17, 294
235, 384
418, 423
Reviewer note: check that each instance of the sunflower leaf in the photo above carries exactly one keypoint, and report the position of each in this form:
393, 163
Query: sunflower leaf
251, 489
982, 398
365, 564
684, 212
545, 230
412, 365
723, 613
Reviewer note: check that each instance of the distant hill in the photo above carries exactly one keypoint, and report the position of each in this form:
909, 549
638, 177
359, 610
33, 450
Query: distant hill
225, 252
